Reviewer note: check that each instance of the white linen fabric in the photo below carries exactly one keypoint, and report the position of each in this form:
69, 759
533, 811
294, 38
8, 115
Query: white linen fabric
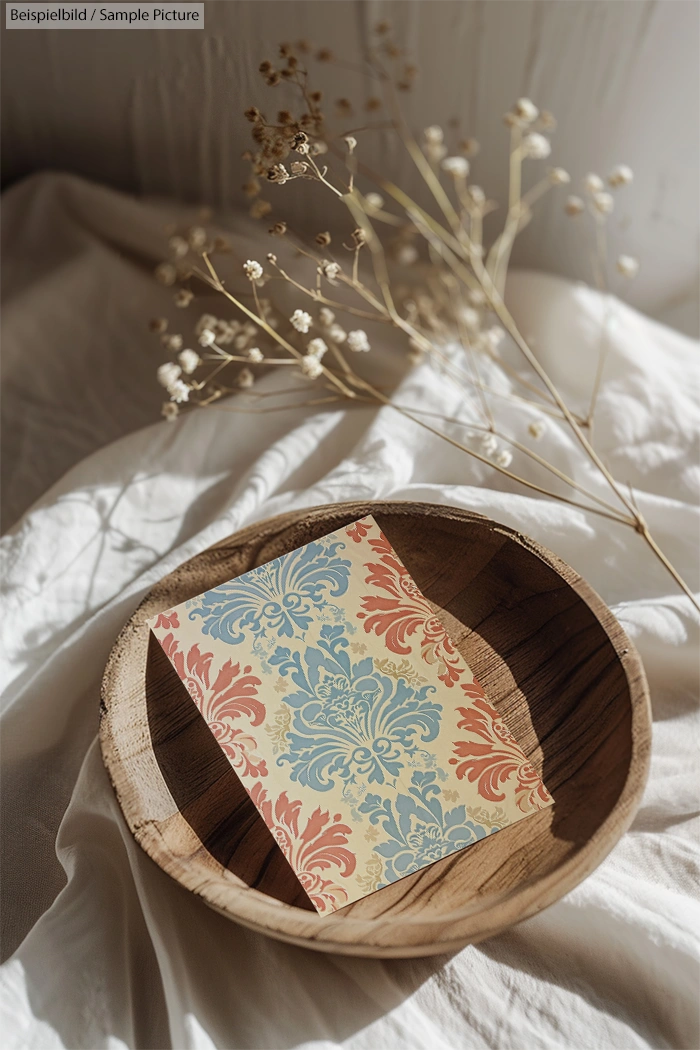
108, 950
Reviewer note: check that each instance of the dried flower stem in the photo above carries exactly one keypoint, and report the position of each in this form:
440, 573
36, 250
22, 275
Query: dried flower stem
465, 285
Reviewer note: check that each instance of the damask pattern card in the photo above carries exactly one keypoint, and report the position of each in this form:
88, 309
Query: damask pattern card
352, 721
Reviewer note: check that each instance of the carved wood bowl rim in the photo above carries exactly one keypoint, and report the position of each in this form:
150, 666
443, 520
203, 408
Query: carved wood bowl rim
155, 821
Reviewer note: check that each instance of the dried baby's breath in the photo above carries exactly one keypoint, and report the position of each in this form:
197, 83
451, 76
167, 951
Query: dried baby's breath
574, 206
357, 341
317, 348
169, 411
429, 273
627, 265
166, 273
621, 175
189, 361
253, 270
301, 321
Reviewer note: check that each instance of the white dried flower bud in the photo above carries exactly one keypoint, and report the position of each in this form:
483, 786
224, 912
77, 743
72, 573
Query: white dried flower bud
537, 428
433, 134
504, 458
477, 195
603, 203
301, 321
317, 150
205, 321
170, 411
337, 333
374, 200
358, 341
628, 266
299, 167
245, 378
207, 337
317, 348
406, 255
536, 146
621, 175
189, 360
593, 183
574, 206
470, 318
179, 391
326, 316
559, 177
173, 343
329, 270
351, 143
255, 355
197, 237
168, 374
183, 297
311, 367
488, 444
178, 247
494, 337
253, 270
166, 273
458, 167
526, 110
435, 151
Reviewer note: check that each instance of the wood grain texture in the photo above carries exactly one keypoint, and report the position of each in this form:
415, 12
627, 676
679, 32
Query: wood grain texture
550, 656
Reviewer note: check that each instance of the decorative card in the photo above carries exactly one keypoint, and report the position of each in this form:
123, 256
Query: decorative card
355, 726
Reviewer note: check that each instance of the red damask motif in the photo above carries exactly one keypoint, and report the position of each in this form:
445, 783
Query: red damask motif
311, 851
167, 620
230, 696
495, 761
404, 612
357, 531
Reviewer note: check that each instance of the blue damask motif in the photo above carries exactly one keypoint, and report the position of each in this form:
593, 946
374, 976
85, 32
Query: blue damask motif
350, 721
278, 599
420, 831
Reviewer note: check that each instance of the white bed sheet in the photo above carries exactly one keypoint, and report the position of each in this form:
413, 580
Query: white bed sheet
112, 953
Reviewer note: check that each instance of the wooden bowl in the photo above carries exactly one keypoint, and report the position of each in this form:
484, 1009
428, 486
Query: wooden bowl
550, 656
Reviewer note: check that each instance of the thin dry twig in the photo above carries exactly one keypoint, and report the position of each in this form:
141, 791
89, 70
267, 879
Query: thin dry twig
456, 299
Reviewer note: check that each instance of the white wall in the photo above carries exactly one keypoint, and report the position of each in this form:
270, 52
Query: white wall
160, 111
